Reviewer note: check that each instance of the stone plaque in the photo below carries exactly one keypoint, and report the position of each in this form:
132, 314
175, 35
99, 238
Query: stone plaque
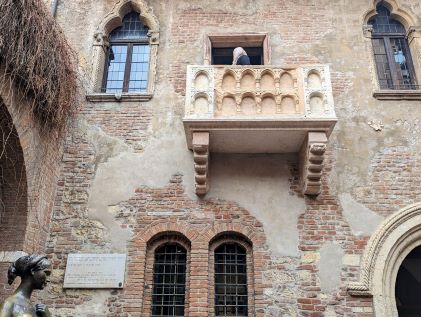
95, 271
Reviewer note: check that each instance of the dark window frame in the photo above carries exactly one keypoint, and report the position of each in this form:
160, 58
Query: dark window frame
157, 267
129, 43
396, 81
225, 269
230, 40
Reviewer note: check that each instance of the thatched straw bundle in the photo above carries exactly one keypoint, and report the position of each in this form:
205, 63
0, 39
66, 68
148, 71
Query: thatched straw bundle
38, 60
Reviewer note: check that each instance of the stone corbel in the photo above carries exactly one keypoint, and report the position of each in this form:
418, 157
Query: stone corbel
413, 32
201, 162
312, 162
367, 30
154, 37
101, 39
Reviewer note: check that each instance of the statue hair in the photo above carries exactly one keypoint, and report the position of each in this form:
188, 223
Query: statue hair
25, 265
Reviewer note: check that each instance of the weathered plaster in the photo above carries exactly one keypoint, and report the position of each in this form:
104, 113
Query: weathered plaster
118, 177
362, 220
329, 266
260, 183
105, 146
233, 178
97, 306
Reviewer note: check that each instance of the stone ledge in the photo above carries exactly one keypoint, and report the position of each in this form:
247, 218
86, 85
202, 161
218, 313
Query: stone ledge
10, 256
104, 97
397, 94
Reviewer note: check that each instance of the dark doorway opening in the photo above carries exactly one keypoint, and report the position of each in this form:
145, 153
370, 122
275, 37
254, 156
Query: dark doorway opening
408, 285
223, 55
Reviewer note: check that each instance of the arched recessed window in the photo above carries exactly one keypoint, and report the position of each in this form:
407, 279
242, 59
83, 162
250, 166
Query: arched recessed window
169, 281
231, 295
391, 52
408, 285
127, 60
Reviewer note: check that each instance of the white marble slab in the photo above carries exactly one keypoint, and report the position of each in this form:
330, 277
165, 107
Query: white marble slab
95, 271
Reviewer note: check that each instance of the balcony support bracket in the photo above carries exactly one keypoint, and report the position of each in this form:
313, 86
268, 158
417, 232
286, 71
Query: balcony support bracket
312, 162
201, 162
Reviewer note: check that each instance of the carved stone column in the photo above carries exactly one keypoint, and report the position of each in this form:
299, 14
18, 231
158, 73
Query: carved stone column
100, 47
201, 161
414, 41
312, 162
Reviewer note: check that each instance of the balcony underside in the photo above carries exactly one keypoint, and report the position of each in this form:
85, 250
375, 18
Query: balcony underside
256, 136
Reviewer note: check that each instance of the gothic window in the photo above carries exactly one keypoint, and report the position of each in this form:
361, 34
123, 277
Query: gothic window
231, 298
169, 281
391, 52
127, 60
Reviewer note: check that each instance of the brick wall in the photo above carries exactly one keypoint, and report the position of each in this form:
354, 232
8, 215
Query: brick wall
13, 214
302, 32
29, 162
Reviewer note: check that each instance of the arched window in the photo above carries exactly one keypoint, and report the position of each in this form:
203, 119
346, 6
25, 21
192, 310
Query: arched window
391, 52
231, 295
408, 285
127, 60
169, 280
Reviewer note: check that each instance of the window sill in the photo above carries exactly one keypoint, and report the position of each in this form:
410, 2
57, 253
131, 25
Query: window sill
106, 97
397, 94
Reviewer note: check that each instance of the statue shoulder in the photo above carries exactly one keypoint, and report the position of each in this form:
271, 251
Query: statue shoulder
6, 307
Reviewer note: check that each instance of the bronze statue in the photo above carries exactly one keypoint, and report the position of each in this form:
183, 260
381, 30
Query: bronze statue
34, 271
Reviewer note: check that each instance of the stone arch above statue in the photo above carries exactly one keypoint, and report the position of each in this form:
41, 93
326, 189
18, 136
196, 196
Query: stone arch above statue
397, 236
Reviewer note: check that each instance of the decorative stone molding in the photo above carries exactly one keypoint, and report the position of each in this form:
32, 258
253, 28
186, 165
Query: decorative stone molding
101, 39
104, 97
312, 159
408, 20
260, 109
233, 40
201, 161
367, 30
397, 94
397, 236
413, 32
397, 12
100, 44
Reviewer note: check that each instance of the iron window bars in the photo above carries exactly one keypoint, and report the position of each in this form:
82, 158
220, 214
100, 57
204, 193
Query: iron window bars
169, 281
231, 280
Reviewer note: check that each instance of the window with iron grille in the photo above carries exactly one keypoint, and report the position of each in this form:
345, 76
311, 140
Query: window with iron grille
391, 52
231, 297
127, 60
169, 281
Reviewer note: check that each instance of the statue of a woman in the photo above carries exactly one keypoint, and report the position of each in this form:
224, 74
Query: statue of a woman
33, 271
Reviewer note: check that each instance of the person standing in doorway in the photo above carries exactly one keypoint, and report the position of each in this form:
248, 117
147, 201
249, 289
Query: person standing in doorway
240, 57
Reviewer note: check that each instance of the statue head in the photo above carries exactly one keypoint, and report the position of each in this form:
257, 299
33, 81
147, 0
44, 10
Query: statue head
33, 268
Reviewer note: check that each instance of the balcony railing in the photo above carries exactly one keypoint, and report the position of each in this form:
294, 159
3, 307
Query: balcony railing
259, 92
256, 109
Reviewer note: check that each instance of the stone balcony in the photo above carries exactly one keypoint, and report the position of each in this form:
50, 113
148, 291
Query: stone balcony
259, 109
